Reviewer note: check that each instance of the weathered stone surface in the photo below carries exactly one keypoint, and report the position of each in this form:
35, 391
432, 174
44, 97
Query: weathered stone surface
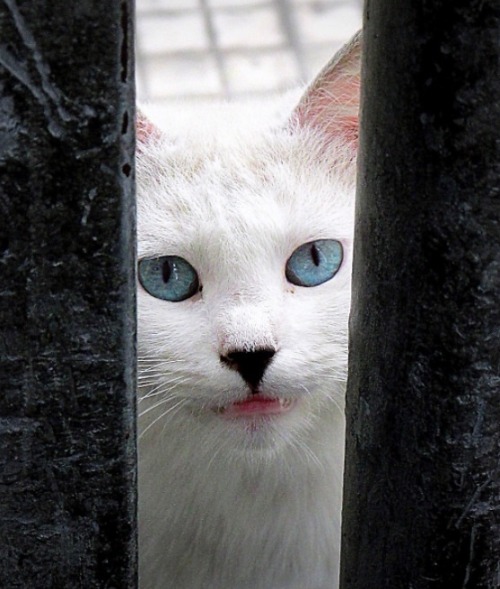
67, 326
422, 494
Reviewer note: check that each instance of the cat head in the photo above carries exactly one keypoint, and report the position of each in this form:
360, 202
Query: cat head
245, 226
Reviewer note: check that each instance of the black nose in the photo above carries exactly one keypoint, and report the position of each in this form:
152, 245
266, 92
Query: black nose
250, 365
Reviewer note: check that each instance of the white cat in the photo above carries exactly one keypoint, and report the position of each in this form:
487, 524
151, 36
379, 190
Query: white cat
245, 230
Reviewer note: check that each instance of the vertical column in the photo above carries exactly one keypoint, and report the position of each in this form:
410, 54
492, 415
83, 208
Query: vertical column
422, 491
67, 324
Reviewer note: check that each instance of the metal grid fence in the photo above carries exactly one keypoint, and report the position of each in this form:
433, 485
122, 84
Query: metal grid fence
206, 49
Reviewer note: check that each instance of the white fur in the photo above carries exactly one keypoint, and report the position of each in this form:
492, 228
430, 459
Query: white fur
225, 504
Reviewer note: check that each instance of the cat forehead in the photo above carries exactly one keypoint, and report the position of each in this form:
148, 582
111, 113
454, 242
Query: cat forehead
278, 159
242, 193
241, 185
237, 140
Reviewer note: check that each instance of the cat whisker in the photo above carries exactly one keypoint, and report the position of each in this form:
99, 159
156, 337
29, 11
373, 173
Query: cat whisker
156, 357
150, 376
153, 378
331, 399
303, 449
339, 374
306, 389
158, 367
148, 385
220, 447
336, 404
153, 407
166, 378
339, 379
177, 406
174, 383
152, 392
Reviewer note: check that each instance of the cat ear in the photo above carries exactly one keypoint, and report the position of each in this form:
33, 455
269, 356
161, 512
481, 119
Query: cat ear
145, 131
331, 103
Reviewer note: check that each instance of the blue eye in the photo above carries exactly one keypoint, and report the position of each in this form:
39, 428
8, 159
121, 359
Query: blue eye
170, 278
315, 262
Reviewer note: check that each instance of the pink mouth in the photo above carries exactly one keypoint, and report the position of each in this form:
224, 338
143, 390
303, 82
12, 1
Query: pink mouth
257, 405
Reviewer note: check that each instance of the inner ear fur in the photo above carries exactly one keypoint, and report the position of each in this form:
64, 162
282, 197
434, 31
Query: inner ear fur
331, 102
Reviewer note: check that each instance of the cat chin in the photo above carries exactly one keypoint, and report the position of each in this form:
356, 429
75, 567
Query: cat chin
258, 438
257, 442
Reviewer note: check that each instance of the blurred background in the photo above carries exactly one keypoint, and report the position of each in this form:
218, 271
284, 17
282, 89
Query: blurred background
196, 51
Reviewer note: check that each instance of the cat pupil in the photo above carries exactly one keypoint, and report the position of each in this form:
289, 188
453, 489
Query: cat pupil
315, 255
166, 271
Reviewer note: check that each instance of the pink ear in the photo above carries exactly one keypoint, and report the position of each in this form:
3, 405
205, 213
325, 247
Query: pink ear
331, 102
145, 130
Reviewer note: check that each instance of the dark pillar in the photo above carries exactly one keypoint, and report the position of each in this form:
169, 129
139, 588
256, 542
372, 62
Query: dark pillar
422, 493
67, 441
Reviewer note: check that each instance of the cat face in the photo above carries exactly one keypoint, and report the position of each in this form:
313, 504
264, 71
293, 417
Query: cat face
245, 239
